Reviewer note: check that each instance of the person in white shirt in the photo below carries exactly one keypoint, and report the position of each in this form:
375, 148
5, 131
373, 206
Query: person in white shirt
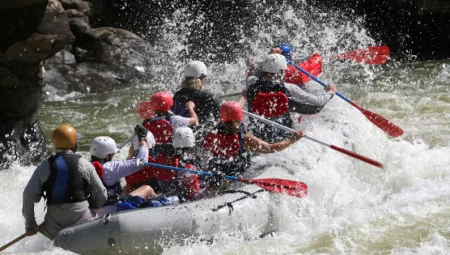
110, 171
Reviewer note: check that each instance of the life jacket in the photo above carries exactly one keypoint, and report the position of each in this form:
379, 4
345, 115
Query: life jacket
113, 191
268, 99
142, 175
229, 155
190, 184
313, 65
161, 128
65, 183
148, 173
207, 107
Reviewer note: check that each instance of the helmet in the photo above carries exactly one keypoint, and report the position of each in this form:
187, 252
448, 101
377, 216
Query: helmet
286, 50
64, 137
102, 146
195, 69
274, 63
161, 101
183, 138
230, 111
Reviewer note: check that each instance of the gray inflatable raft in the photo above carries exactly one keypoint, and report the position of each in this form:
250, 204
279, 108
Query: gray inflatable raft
150, 230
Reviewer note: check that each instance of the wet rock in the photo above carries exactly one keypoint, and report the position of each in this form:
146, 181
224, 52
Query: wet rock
115, 59
32, 31
79, 5
73, 14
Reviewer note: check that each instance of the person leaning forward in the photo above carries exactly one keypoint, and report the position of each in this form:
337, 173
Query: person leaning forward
69, 184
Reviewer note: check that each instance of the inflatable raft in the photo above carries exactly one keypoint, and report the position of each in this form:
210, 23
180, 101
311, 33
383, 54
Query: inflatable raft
150, 230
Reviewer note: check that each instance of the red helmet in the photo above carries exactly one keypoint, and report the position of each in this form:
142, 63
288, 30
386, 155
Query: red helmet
230, 111
161, 101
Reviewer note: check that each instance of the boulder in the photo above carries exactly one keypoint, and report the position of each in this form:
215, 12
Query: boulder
107, 59
32, 31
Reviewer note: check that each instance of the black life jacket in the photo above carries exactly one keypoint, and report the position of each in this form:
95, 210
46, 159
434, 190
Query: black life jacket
206, 107
65, 183
228, 153
113, 191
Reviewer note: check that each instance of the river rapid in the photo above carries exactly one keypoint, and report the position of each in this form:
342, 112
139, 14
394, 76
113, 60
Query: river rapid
352, 207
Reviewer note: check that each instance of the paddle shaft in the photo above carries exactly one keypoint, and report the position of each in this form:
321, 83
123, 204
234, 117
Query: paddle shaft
334, 147
289, 187
315, 79
129, 139
376, 119
13, 242
177, 169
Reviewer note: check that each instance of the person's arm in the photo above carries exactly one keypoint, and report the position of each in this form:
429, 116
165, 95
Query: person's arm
116, 169
98, 191
303, 97
254, 144
243, 98
193, 119
32, 194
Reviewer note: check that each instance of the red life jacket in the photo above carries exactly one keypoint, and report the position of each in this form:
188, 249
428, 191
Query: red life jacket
313, 65
98, 168
270, 104
142, 175
162, 174
189, 181
161, 128
114, 191
147, 173
222, 145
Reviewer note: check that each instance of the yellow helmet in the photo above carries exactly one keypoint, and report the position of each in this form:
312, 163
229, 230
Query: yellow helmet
64, 137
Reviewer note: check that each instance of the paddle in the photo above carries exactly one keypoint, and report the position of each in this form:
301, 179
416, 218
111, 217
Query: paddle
289, 187
145, 110
376, 119
129, 139
376, 55
334, 147
373, 55
13, 242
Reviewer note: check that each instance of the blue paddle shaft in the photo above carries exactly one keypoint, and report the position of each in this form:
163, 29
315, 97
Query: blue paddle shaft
315, 79
178, 169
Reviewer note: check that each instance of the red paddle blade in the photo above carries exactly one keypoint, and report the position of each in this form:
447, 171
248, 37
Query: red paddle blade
289, 187
144, 109
372, 55
380, 122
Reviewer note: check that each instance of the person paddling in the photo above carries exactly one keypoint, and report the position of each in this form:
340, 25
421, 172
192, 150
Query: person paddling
292, 75
102, 150
192, 89
184, 143
68, 182
270, 97
229, 146
162, 126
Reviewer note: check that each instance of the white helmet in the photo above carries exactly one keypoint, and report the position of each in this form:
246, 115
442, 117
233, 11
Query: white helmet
195, 69
150, 141
274, 63
183, 138
102, 146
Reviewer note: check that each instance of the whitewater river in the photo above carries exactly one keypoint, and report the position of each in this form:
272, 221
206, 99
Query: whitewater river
352, 207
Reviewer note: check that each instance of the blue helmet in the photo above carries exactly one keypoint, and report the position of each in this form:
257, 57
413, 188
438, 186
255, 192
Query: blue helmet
286, 50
